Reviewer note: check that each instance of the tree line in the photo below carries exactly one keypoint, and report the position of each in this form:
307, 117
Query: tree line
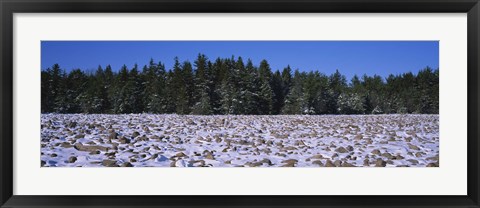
233, 86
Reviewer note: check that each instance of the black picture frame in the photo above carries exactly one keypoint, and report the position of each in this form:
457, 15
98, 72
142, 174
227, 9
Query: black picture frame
9, 7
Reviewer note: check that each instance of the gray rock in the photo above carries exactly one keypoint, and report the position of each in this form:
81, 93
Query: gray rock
419, 154
387, 155
109, 163
346, 164
319, 156
433, 165
398, 157
72, 124
413, 147
358, 137
337, 163
376, 152
341, 150
124, 140
209, 156
266, 161
113, 136
413, 161
329, 163
366, 163
290, 161
72, 159
79, 136
89, 148
253, 164
380, 163
127, 164
318, 162
349, 148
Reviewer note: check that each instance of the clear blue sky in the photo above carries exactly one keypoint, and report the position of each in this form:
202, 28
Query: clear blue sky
350, 57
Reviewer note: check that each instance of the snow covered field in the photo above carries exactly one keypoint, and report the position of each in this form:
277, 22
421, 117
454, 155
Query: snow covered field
146, 140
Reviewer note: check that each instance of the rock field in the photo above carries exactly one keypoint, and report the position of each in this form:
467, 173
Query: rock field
148, 140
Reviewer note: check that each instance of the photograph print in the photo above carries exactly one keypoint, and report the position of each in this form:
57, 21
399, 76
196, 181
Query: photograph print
264, 104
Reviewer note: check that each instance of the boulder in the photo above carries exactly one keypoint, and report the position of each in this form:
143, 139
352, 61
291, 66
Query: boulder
380, 163
349, 148
90, 148
266, 161
126, 164
366, 163
341, 150
433, 165
376, 152
346, 164
113, 136
329, 163
318, 162
337, 163
319, 156
419, 154
387, 155
180, 154
288, 165
413, 147
290, 161
358, 137
72, 124
413, 161
124, 140
109, 163
79, 136
253, 164
72, 159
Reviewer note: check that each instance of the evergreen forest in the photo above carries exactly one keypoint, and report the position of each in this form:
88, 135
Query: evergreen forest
234, 86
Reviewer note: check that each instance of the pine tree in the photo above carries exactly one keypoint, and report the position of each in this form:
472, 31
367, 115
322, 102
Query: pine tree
337, 84
374, 97
226, 93
154, 91
183, 85
202, 106
202, 101
238, 88
79, 92
286, 80
350, 103
101, 101
278, 90
61, 101
123, 90
266, 93
250, 90
46, 96
187, 73
110, 87
135, 91
55, 87
217, 78
294, 102
170, 92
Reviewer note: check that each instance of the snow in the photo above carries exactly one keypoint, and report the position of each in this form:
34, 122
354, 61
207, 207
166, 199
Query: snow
239, 140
